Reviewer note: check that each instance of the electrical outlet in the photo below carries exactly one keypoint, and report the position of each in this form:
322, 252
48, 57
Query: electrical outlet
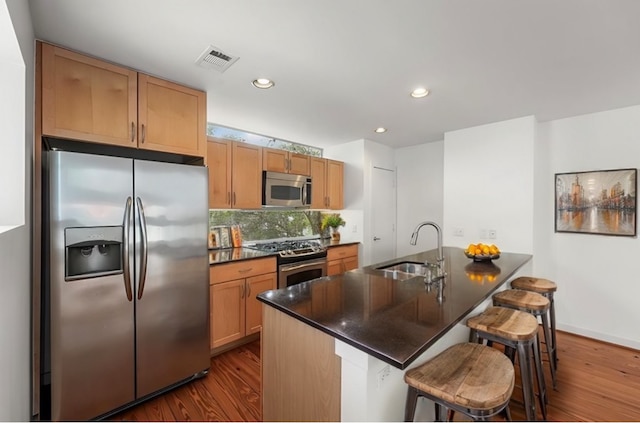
492, 233
354, 228
383, 374
458, 232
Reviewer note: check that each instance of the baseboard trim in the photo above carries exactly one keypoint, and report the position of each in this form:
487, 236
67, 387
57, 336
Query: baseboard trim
599, 336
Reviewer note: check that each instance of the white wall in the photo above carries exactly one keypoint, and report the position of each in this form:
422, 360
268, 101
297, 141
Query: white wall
597, 276
359, 156
488, 184
15, 283
420, 194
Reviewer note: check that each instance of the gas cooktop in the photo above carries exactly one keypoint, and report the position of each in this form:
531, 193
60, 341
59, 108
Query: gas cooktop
290, 248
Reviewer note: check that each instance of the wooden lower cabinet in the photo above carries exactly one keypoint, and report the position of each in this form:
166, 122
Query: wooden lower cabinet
342, 259
234, 309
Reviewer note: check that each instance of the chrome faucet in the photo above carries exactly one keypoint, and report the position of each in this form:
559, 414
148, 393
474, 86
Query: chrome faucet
440, 259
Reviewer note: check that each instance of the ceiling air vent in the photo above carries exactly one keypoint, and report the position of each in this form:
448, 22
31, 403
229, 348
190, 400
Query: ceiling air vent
214, 58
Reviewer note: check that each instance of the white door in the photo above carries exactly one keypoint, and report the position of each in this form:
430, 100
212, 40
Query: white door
383, 220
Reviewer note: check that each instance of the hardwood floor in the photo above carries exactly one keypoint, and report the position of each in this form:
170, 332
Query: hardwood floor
596, 382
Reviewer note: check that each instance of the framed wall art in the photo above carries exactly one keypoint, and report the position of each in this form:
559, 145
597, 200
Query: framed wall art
602, 202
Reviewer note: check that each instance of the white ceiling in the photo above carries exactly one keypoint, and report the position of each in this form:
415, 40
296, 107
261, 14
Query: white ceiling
345, 67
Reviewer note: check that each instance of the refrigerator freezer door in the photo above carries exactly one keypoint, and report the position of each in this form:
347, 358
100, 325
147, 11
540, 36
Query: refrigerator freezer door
92, 333
172, 301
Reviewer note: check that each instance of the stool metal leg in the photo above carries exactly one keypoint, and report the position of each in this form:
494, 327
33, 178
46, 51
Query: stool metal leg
410, 407
548, 341
527, 380
542, 388
552, 317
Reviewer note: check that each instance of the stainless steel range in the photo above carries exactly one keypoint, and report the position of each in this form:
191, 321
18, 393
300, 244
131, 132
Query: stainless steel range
298, 260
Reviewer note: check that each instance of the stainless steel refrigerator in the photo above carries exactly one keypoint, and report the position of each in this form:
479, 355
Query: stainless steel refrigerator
127, 276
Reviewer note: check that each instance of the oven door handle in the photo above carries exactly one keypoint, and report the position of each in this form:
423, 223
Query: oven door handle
303, 254
288, 268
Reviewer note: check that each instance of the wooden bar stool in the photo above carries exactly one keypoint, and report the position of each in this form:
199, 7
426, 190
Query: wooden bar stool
533, 303
472, 379
517, 330
546, 288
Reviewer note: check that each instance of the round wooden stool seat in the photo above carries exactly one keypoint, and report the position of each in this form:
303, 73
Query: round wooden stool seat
539, 285
521, 299
506, 323
517, 330
470, 378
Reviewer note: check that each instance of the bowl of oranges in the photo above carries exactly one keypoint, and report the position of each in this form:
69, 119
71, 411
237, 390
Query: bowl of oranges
482, 252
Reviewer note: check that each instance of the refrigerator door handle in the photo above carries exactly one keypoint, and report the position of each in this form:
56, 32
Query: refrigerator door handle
125, 248
144, 252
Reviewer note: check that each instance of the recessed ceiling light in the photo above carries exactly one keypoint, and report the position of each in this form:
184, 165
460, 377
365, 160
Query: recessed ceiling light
380, 130
419, 92
263, 83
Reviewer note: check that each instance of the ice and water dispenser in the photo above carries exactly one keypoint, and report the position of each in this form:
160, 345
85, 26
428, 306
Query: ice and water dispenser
93, 251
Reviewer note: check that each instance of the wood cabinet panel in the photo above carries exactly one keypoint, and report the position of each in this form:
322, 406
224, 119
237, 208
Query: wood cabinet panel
246, 176
342, 259
241, 269
256, 285
318, 167
299, 164
328, 180
334, 253
172, 118
235, 310
87, 99
275, 160
335, 183
219, 164
227, 312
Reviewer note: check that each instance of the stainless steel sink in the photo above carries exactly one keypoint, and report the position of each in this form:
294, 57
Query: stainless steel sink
404, 270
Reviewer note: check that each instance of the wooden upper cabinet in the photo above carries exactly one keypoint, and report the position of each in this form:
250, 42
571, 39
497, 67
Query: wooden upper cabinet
172, 118
219, 154
274, 160
246, 176
335, 183
319, 183
327, 177
235, 174
299, 164
87, 99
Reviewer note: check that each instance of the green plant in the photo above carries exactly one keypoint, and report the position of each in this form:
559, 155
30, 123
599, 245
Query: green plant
332, 220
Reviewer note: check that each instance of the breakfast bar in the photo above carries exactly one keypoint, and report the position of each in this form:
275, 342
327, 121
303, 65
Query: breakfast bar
336, 348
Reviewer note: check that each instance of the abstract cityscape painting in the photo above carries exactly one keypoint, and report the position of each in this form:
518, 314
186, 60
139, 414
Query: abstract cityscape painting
600, 202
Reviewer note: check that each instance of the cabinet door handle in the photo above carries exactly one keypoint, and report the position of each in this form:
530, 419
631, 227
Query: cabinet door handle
144, 132
242, 292
248, 291
234, 199
133, 131
249, 269
228, 198
288, 161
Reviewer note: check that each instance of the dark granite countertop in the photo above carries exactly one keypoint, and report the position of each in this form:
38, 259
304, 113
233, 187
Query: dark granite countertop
228, 255
394, 320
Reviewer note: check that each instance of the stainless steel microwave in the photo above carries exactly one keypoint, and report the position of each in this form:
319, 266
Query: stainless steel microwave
285, 190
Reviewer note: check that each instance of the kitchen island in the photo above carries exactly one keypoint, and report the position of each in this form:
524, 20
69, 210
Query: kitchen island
336, 348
